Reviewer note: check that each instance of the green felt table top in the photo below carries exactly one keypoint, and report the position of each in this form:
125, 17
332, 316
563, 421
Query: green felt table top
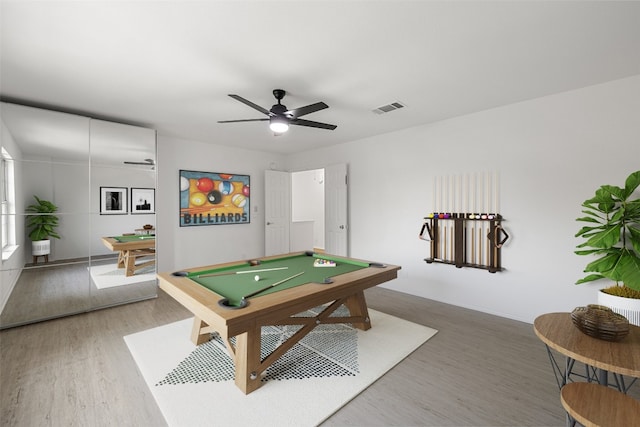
236, 281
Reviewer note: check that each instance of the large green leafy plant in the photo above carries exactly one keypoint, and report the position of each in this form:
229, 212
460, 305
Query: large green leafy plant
613, 233
43, 223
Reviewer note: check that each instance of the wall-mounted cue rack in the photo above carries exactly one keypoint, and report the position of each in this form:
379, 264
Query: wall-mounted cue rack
465, 240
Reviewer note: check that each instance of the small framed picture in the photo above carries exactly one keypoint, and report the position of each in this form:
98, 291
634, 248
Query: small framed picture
113, 200
143, 200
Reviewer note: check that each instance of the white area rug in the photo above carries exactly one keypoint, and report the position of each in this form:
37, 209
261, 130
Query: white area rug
193, 387
109, 275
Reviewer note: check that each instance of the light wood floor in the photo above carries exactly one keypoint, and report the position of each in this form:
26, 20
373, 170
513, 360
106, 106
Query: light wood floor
479, 370
59, 288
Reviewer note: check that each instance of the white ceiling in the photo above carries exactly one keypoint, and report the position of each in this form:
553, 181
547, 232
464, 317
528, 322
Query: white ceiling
169, 65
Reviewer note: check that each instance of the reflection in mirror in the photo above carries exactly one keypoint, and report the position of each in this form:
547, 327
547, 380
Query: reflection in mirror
66, 159
122, 213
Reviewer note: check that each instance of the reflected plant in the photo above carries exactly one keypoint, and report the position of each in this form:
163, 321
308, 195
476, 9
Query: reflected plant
42, 223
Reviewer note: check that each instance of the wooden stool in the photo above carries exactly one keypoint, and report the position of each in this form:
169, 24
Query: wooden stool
35, 258
592, 404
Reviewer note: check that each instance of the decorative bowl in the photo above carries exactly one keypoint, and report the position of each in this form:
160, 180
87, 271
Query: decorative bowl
600, 322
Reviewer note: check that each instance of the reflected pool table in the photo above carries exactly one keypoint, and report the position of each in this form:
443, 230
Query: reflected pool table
229, 299
130, 248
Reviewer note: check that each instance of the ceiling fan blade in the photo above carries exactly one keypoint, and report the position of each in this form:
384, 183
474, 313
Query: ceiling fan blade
306, 109
309, 123
147, 162
243, 120
251, 104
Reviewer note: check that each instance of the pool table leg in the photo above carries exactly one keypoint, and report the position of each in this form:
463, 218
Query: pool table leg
199, 333
247, 360
130, 264
357, 306
121, 259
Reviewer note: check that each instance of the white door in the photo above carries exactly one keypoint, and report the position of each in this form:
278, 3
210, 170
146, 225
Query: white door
277, 212
335, 199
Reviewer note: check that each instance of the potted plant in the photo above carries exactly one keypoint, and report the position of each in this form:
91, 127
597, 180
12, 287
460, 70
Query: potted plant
42, 224
613, 234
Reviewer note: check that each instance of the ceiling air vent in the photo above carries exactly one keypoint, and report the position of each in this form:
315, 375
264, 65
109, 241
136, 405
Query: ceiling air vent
389, 107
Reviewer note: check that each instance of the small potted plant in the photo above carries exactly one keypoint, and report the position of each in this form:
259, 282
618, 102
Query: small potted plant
42, 224
613, 234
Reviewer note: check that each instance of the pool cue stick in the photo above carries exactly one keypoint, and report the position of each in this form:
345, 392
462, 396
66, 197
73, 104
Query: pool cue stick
444, 243
480, 245
473, 245
439, 245
453, 244
271, 286
495, 247
261, 270
488, 264
240, 272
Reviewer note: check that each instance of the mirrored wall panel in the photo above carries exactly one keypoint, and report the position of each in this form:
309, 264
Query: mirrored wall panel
78, 214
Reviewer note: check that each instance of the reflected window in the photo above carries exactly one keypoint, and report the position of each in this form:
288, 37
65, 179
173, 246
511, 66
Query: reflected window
7, 197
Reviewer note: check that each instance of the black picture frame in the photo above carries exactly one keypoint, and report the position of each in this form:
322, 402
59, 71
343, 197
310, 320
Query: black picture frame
143, 201
113, 201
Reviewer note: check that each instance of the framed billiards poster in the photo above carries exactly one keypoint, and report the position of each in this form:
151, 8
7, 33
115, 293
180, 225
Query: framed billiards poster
143, 200
213, 198
113, 200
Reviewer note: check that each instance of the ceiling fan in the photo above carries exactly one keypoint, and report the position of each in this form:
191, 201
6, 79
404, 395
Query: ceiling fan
279, 117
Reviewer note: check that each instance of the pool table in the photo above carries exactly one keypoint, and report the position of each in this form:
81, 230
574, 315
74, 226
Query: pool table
237, 299
130, 248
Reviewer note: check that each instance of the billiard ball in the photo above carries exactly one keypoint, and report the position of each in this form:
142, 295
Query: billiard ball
256, 278
225, 187
246, 190
184, 184
204, 184
239, 200
198, 199
214, 197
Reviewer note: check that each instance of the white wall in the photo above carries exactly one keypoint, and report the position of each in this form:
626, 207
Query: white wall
551, 154
183, 247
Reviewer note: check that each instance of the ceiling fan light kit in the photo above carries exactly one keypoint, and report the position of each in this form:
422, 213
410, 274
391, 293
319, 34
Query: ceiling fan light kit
278, 125
279, 117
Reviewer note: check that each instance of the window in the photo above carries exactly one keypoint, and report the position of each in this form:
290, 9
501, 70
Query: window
7, 199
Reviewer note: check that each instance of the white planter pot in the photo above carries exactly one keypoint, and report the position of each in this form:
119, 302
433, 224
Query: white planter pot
41, 247
628, 307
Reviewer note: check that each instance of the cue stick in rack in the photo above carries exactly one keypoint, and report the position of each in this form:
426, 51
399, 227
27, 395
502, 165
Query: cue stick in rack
480, 245
271, 286
240, 272
452, 245
444, 243
495, 247
473, 245
489, 263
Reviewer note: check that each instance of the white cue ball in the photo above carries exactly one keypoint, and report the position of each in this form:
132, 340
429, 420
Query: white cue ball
256, 278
